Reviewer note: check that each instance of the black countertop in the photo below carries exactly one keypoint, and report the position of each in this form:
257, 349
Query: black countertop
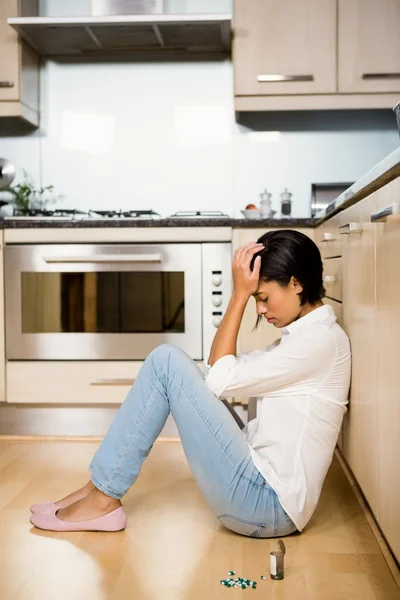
33, 223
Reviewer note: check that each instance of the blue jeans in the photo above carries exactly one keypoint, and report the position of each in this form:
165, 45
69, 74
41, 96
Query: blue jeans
216, 448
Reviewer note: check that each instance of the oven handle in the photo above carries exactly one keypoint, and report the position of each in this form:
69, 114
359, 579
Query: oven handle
105, 258
112, 381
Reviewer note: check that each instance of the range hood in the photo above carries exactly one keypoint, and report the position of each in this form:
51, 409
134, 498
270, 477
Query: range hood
176, 33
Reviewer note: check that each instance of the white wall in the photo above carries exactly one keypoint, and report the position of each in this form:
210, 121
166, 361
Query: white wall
164, 136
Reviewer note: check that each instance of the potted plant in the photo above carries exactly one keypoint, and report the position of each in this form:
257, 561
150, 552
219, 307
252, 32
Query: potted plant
27, 196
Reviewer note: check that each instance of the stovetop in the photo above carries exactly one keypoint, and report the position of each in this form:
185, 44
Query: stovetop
198, 214
78, 215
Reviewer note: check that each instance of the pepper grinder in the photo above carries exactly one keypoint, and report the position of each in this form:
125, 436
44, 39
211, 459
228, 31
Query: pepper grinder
265, 204
286, 203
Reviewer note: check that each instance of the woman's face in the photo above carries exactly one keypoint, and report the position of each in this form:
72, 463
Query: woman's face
279, 305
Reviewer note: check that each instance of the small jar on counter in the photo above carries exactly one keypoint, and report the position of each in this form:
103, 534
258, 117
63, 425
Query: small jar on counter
286, 203
265, 204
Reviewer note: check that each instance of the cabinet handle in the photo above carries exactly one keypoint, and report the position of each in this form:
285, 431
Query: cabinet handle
328, 237
350, 228
105, 258
269, 78
112, 381
6, 84
371, 76
390, 213
329, 279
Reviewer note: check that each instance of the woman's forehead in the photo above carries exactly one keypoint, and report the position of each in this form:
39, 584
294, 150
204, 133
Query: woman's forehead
266, 287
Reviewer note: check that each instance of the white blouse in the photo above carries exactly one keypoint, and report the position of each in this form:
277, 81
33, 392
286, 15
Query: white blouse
302, 383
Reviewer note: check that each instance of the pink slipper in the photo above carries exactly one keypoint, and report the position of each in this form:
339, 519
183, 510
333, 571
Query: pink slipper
113, 521
43, 507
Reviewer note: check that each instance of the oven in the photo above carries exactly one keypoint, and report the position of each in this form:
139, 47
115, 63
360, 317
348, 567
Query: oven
113, 301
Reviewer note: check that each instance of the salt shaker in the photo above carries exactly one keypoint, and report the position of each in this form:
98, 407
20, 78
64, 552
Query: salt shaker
265, 204
286, 203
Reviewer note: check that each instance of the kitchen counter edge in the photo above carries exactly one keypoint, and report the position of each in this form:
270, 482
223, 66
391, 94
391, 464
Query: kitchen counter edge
381, 174
181, 222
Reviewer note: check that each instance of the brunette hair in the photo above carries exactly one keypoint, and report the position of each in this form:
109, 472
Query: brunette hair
290, 253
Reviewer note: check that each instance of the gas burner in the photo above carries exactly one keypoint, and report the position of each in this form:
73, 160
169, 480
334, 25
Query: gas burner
202, 214
105, 214
123, 214
43, 213
140, 214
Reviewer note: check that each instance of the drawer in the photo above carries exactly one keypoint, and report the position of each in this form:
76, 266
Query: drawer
333, 278
62, 382
329, 239
337, 308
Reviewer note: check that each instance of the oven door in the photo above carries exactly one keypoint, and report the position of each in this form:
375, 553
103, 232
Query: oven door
102, 302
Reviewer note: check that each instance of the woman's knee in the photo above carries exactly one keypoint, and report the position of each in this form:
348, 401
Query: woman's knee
164, 353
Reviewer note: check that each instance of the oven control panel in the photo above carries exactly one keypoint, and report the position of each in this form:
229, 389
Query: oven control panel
217, 289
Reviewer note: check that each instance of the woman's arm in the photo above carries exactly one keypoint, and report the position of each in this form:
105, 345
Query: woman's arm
245, 283
225, 339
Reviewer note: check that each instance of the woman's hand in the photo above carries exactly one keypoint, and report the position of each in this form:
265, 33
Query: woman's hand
245, 281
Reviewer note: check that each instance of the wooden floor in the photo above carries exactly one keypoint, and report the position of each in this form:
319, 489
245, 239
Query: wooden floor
173, 547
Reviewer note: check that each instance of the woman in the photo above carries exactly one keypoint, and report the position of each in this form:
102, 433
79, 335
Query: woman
264, 480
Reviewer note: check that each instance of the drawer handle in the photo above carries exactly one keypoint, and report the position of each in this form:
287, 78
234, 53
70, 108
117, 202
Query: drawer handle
6, 84
350, 228
112, 381
105, 258
371, 76
271, 77
390, 213
329, 279
328, 237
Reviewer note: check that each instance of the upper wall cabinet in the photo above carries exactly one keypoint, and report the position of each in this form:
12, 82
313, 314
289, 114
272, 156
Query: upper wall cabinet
316, 54
19, 71
369, 46
285, 47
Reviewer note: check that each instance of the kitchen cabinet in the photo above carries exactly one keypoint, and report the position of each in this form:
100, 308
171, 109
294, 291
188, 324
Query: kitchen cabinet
337, 309
70, 382
369, 46
19, 71
370, 440
360, 440
2, 330
387, 341
285, 47
328, 238
332, 278
316, 54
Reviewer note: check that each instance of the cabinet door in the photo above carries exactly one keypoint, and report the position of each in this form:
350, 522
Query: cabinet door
9, 52
2, 331
285, 47
328, 237
360, 445
369, 46
332, 278
388, 373
337, 307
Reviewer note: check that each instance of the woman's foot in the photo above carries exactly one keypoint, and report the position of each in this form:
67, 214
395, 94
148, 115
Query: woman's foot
75, 496
92, 505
